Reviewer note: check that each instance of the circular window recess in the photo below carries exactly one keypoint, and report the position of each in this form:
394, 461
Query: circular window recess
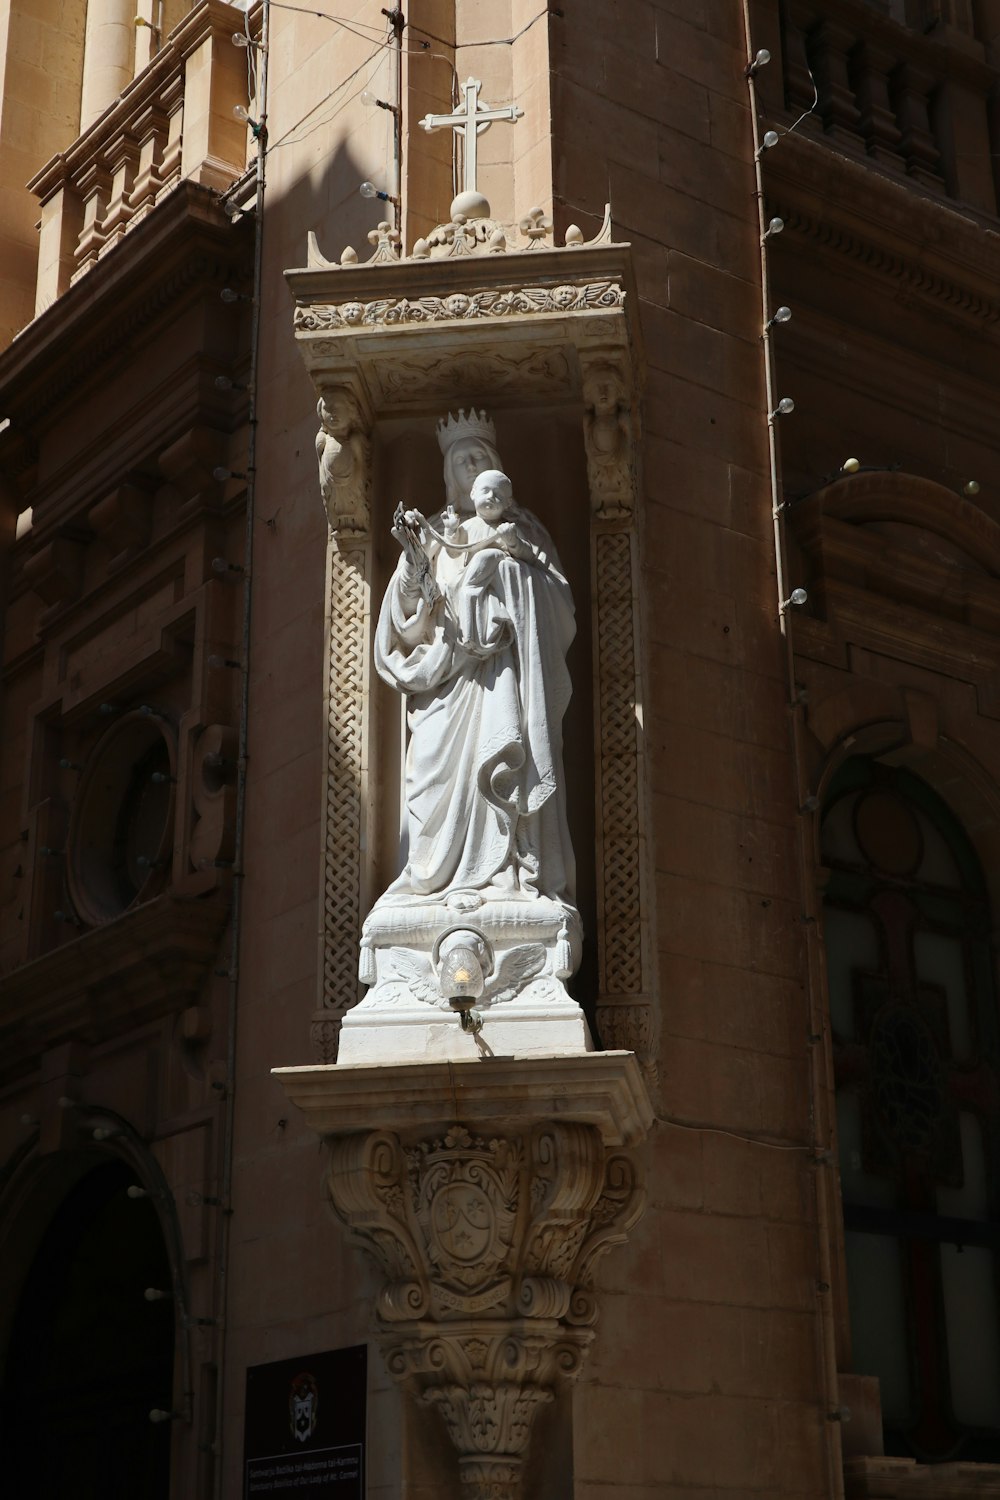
121, 833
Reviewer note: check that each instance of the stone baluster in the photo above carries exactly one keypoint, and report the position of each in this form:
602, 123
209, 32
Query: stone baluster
121, 157
172, 101
214, 143
150, 130
94, 183
829, 46
871, 69
912, 88
59, 234
957, 13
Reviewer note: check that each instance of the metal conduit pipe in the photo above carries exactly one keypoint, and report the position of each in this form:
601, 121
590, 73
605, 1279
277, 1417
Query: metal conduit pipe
222, 1288
820, 1063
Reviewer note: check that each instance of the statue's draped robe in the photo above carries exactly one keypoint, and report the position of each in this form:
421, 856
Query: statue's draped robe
484, 673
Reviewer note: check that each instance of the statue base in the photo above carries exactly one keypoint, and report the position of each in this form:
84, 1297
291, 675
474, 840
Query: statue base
530, 945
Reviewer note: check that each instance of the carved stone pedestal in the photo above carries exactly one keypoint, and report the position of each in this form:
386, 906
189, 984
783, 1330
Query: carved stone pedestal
486, 1199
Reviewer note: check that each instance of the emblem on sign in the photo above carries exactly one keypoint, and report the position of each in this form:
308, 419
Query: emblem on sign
303, 1407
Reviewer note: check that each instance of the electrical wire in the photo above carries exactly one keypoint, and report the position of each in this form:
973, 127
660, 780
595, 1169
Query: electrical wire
736, 1135
288, 139
501, 41
323, 15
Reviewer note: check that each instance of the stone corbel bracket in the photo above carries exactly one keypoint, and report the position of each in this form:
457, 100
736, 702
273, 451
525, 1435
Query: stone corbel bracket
486, 1200
553, 327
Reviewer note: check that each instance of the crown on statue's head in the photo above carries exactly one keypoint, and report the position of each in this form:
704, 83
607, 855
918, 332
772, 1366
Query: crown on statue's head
476, 425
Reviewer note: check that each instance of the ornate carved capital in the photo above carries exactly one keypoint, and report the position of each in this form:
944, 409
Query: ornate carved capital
488, 1245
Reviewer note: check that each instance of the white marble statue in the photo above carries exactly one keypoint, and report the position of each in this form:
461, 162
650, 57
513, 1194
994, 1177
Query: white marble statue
473, 631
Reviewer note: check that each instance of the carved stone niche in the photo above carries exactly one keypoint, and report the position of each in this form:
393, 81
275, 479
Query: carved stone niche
485, 1200
475, 317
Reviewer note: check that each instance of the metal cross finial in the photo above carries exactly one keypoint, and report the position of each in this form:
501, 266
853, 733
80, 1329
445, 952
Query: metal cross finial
471, 112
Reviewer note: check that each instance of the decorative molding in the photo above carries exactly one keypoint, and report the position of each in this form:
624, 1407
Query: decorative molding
497, 373
619, 880
630, 1026
488, 1246
906, 1479
854, 210
147, 963
346, 692
492, 303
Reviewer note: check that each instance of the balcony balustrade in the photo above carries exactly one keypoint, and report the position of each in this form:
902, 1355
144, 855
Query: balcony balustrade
916, 104
174, 122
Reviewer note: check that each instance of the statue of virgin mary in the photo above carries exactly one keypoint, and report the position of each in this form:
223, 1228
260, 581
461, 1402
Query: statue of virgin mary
473, 632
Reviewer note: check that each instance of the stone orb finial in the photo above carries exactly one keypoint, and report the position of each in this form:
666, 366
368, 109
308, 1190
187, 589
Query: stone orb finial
471, 205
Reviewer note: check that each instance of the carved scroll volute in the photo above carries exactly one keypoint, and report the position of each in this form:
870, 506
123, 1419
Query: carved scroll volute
343, 452
609, 422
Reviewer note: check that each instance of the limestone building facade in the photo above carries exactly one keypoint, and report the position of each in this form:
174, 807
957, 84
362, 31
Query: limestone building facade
723, 283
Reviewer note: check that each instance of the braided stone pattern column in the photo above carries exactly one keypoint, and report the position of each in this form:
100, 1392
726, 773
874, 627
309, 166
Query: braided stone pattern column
625, 1015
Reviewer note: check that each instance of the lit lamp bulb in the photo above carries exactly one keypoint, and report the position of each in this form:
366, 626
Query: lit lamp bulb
970, 487
850, 466
460, 975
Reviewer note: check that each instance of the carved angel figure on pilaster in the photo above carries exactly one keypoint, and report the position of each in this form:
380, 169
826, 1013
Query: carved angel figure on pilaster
607, 432
343, 452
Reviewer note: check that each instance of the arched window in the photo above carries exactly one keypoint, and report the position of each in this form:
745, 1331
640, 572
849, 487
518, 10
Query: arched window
89, 1356
917, 1065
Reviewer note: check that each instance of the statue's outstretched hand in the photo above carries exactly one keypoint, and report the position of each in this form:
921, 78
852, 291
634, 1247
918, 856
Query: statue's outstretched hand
407, 528
512, 541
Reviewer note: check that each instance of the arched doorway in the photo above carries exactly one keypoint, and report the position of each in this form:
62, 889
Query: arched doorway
89, 1355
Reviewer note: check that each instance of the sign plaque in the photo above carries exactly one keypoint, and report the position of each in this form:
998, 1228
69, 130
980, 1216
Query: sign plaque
305, 1427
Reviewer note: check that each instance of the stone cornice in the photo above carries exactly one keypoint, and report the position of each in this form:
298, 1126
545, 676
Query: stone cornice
941, 252
604, 1089
508, 327
142, 965
413, 279
185, 240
